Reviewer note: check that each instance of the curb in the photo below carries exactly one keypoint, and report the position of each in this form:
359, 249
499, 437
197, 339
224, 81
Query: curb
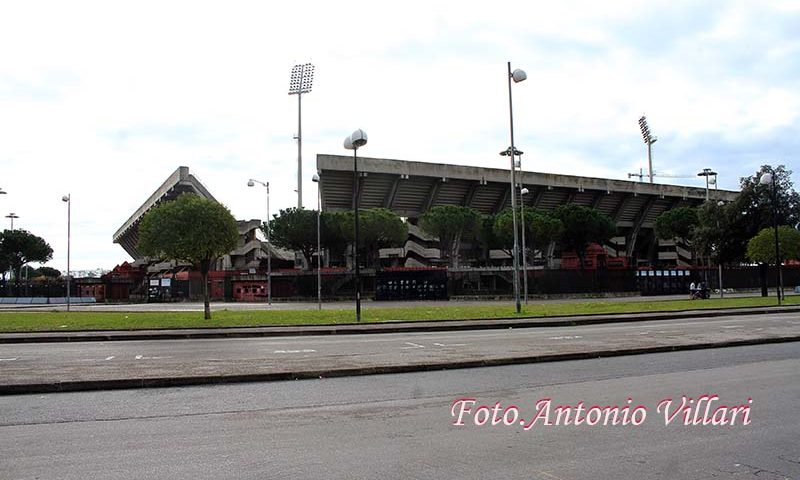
162, 382
375, 328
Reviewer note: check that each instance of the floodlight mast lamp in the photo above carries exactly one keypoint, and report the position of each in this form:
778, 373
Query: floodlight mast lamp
300, 82
353, 142
649, 140
767, 179
252, 183
517, 76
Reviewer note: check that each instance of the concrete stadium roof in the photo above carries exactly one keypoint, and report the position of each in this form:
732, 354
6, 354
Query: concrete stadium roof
412, 188
179, 182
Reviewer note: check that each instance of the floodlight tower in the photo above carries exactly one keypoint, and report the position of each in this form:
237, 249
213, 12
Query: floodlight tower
300, 83
649, 140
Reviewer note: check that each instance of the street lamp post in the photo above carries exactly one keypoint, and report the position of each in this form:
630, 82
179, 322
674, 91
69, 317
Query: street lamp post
649, 140
68, 199
522, 194
300, 83
719, 247
517, 76
766, 179
707, 172
252, 183
316, 179
12, 216
353, 142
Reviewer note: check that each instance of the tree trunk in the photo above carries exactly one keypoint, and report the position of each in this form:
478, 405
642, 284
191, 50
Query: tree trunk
17, 277
454, 249
206, 301
581, 258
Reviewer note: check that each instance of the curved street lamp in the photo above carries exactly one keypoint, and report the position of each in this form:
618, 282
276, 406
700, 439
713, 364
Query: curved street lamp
517, 76
767, 179
252, 183
353, 142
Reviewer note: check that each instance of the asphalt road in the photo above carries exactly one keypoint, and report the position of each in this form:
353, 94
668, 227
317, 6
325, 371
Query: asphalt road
400, 426
22, 364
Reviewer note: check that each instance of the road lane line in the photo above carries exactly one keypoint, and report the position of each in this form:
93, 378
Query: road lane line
306, 350
413, 345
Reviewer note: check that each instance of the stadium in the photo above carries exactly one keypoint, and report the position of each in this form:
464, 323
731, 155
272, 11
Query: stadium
410, 189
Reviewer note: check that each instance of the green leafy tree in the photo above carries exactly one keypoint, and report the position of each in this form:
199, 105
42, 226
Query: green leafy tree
191, 228
378, 228
295, 229
541, 228
333, 234
752, 210
5, 265
485, 238
583, 226
451, 224
676, 223
47, 272
19, 247
761, 248
716, 233
682, 223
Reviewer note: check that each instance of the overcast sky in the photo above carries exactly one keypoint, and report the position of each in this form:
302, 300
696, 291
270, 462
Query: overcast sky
104, 100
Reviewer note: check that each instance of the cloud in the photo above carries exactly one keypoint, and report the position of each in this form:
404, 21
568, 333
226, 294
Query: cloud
105, 100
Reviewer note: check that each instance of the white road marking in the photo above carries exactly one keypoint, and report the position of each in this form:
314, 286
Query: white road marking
413, 345
9, 359
732, 326
306, 350
565, 337
109, 358
96, 359
450, 344
142, 357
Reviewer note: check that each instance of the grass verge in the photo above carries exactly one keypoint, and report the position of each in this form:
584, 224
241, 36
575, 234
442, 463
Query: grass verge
27, 321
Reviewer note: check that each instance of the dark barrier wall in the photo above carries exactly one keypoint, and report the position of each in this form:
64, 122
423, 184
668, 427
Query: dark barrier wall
750, 277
